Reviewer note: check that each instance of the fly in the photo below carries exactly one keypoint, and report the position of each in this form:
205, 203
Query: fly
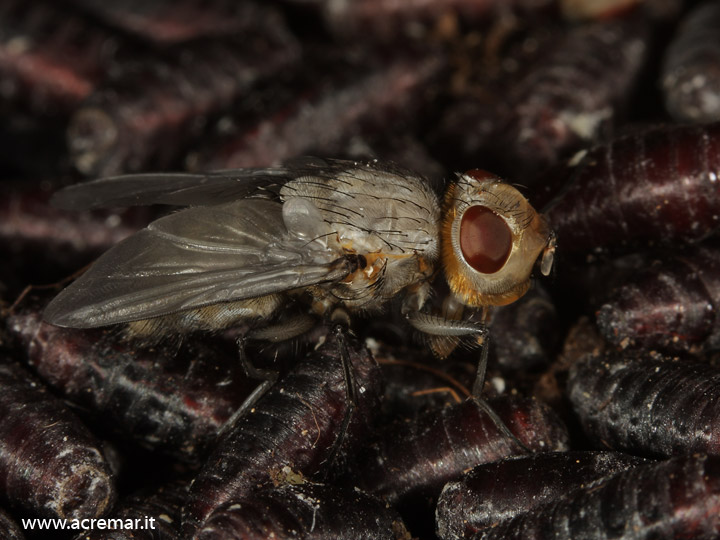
340, 237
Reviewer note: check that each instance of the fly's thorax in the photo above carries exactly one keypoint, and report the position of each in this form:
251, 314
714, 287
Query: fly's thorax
391, 220
491, 237
371, 211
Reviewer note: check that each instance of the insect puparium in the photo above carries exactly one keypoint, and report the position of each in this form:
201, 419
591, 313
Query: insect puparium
339, 237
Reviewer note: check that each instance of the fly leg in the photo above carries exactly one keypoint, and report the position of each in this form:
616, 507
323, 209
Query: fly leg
340, 329
484, 342
285, 330
440, 326
280, 332
267, 378
479, 384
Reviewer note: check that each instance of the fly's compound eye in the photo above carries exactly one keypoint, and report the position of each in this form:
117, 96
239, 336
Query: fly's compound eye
485, 239
491, 238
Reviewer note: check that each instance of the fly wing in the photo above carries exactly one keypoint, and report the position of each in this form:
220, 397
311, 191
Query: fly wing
202, 189
178, 189
193, 258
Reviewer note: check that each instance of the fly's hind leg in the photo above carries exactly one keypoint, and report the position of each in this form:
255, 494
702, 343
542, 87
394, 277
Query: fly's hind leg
286, 330
267, 378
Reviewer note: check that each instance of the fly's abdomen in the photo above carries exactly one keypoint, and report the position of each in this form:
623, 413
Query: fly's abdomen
208, 318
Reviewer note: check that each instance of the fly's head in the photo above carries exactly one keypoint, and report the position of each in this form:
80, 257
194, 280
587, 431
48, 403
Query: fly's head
491, 238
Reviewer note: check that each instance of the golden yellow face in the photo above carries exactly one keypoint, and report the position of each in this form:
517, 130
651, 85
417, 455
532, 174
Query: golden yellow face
491, 238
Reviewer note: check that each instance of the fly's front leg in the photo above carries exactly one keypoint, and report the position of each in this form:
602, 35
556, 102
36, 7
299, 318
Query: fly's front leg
484, 342
435, 325
441, 326
445, 330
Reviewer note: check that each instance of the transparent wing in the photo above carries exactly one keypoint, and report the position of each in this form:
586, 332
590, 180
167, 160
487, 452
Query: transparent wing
202, 189
179, 189
195, 257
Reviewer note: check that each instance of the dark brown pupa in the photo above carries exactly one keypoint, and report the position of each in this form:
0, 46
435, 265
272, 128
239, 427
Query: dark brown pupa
165, 22
669, 304
171, 399
51, 58
409, 462
320, 107
495, 492
50, 464
678, 498
148, 515
146, 115
571, 96
648, 406
296, 424
304, 511
657, 187
691, 69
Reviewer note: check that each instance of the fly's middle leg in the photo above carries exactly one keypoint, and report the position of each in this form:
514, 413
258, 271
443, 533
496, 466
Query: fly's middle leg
342, 321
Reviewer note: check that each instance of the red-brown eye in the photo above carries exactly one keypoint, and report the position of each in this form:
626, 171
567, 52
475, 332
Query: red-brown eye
485, 239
